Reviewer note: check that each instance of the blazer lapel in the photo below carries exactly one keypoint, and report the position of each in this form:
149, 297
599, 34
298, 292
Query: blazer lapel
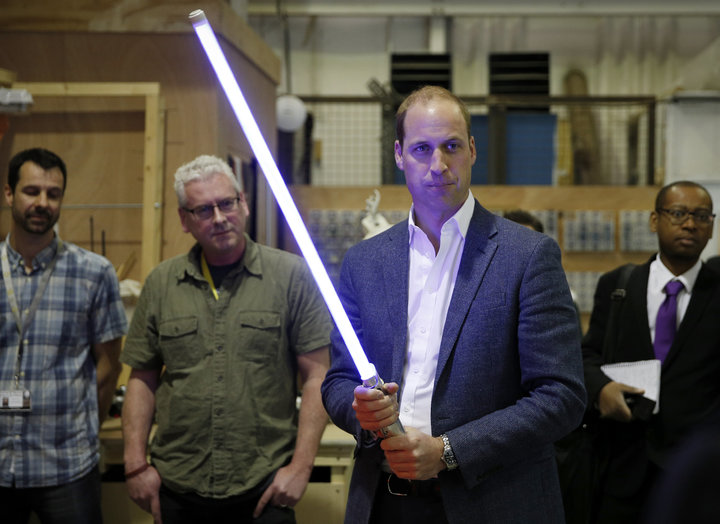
637, 306
701, 294
478, 252
395, 277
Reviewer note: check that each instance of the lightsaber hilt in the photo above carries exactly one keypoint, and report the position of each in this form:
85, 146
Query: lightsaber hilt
394, 429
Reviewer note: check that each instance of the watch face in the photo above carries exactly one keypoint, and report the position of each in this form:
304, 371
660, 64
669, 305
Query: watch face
448, 457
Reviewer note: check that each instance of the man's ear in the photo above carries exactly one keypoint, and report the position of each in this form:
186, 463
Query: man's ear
398, 155
8, 195
653, 221
183, 219
243, 204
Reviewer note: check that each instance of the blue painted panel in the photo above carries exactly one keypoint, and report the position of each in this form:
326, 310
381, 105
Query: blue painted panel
530, 148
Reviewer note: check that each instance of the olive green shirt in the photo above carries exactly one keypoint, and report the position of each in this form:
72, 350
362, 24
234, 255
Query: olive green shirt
226, 403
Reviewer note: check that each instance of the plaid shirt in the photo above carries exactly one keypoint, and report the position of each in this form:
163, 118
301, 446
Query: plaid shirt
57, 441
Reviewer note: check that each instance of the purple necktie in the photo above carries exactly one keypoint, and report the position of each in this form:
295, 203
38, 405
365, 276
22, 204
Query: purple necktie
666, 321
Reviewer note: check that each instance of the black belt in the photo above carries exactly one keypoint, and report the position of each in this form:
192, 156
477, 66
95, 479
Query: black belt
410, 488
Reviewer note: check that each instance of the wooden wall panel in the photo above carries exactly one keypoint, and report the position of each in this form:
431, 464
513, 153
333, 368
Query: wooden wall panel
139, 16
104, 149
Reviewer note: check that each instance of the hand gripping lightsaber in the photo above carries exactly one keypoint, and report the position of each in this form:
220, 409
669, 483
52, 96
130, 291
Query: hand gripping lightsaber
367, 371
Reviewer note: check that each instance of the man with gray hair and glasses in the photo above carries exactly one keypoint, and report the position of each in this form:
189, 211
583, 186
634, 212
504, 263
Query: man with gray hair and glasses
667, 310
216, 343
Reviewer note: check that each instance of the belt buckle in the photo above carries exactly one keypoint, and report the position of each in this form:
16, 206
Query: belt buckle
390, 490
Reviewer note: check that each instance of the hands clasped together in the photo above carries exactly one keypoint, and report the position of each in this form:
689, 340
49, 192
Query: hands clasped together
413, 455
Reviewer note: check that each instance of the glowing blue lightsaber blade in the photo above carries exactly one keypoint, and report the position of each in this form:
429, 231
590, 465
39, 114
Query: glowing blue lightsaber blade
282, 195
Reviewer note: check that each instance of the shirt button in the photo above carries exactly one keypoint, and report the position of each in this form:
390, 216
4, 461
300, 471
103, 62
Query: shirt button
219, 348
220, 378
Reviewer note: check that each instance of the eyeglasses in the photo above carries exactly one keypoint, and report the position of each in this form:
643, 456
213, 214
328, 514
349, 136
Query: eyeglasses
679, 216
225, 206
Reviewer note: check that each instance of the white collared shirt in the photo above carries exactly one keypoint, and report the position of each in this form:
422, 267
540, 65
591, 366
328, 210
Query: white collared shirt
430, 288
659, 277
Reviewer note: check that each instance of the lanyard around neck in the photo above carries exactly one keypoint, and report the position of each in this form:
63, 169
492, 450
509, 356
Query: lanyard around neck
23, 321
207, 275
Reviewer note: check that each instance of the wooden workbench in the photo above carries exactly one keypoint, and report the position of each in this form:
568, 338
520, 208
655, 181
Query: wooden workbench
324, 500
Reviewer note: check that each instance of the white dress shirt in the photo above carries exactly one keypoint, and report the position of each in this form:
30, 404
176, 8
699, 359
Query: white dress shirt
659, 277
430, 288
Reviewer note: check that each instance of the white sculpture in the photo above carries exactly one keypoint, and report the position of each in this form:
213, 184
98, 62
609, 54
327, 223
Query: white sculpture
374, 222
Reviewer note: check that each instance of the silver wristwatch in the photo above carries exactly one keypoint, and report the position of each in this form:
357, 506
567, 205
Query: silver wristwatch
448, 457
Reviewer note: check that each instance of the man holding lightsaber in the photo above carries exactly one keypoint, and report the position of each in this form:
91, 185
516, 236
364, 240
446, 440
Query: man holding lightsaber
216, 343
469, 319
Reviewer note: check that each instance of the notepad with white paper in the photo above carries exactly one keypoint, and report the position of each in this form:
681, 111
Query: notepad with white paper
644, 374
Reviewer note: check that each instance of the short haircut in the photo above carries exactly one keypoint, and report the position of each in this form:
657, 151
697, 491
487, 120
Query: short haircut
37, 155
202, 168
424, 95
526, 219
660, 198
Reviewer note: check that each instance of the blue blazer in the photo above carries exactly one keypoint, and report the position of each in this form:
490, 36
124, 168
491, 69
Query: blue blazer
509, 375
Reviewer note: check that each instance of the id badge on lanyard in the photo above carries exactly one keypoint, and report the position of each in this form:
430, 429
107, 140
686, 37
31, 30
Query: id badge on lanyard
15, 400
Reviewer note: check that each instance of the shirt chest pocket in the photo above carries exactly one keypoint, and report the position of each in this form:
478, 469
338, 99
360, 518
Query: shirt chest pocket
179, 343
259, 335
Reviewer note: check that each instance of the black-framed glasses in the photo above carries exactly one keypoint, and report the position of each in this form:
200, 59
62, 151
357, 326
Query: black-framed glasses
678, 216
227, 205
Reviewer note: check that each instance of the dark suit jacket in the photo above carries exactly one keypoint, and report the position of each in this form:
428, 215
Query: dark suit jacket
509, 373
688, 492
690, 379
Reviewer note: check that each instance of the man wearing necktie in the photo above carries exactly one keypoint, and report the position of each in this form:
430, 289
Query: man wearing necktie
670, 311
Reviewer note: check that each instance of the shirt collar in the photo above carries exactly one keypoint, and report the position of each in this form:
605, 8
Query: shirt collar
660, 275
460, 220
41, 260
250, 261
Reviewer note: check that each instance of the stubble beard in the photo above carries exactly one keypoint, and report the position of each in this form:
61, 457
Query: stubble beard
26, 221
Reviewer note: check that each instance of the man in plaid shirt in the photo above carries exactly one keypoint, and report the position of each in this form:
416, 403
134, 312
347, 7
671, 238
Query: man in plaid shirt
61, 325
